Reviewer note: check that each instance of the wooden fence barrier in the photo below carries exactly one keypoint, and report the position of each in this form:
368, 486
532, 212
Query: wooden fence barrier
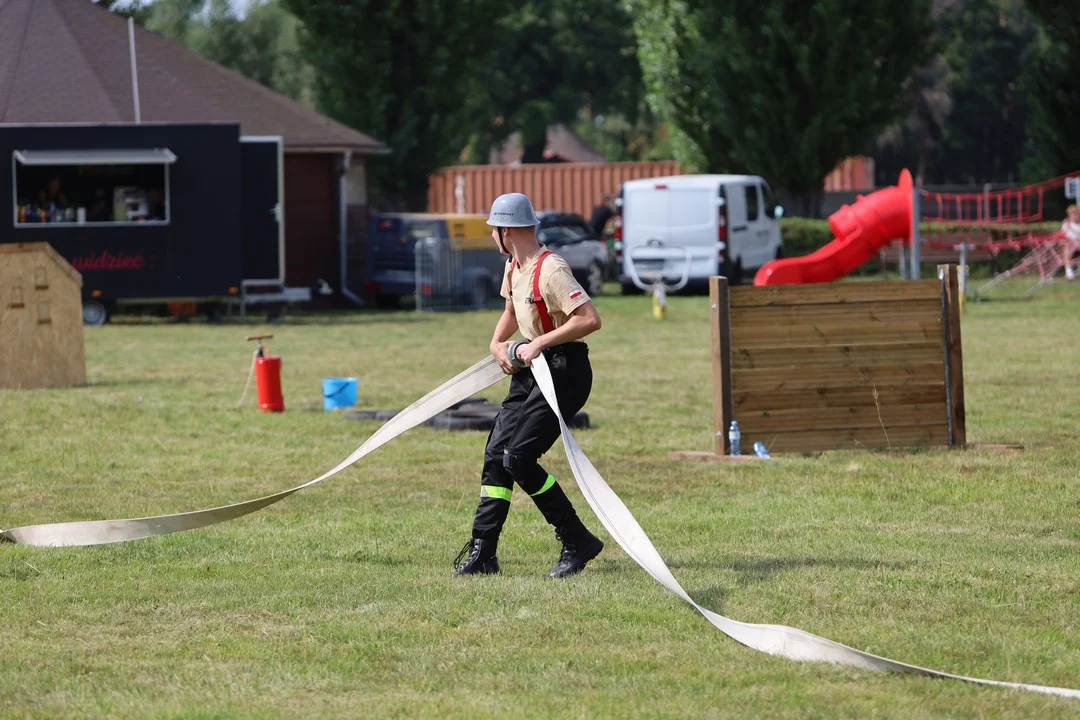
804, 368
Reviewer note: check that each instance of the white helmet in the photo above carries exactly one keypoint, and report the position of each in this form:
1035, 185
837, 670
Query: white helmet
512, 210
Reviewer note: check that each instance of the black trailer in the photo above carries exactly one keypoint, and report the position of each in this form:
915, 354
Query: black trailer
153, 212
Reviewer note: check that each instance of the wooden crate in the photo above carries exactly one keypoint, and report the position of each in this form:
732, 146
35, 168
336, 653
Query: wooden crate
41, 330
806, 368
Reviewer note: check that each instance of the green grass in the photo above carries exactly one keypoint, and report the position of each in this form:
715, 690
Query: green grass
339, 601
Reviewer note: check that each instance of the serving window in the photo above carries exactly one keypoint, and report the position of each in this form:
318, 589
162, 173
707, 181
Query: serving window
54, 188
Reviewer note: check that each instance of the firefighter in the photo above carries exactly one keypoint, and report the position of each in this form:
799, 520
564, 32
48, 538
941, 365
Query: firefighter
553, 313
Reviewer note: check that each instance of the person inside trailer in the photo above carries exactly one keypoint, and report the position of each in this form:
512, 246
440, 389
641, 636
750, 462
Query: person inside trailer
53, 193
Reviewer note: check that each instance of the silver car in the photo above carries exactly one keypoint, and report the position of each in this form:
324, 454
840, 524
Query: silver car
571, 237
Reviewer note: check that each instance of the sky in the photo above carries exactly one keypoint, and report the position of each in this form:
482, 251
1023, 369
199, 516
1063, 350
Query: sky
239, 6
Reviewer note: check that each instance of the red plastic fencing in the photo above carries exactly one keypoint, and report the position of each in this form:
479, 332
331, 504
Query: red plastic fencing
993, 221
996, 207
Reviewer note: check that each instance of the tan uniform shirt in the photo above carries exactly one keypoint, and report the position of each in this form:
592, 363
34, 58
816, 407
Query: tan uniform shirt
562, 293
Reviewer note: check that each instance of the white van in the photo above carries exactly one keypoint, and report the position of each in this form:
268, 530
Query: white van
728, 223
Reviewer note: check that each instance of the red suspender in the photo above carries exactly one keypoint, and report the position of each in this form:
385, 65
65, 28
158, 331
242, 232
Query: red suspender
537, 298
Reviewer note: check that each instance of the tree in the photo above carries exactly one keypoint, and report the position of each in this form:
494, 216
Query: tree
988, 45
173, 18
551, 59
619, 140
969, 112
916, 142
400, 70
1054, 93
263, 45
782, 88
272, 26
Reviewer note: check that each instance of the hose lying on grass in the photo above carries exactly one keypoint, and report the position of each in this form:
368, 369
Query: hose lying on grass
620, 523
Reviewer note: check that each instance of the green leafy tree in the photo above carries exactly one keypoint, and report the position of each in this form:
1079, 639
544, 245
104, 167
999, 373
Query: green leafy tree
916, 142
263, 45
1052, 82
619, 140
969, 111
173, 18
400, 70
988, 44
552, 59
782, 88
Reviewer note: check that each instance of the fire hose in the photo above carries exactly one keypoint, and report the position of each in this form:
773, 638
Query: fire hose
778, 640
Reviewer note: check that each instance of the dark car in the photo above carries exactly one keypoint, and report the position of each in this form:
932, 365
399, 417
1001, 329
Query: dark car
574, 240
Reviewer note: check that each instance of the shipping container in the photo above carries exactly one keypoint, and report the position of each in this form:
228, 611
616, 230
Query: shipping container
855, 173
570, 187
579, 187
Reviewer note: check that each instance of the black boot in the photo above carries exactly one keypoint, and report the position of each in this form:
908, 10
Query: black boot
579, 547
480, 558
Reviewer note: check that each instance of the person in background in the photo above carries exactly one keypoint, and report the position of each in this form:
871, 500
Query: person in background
1071, 230
101, 209
53, 193
155, 201
601, 215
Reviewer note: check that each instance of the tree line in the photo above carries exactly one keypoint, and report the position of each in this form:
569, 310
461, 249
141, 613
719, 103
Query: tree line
960, 91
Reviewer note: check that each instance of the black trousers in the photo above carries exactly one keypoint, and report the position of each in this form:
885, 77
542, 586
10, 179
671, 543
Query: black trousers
525, 429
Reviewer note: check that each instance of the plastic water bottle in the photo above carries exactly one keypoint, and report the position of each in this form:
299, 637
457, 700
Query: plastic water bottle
735, 438
760, 450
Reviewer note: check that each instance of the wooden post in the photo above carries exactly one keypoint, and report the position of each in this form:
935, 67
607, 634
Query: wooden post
954, 354
721, 351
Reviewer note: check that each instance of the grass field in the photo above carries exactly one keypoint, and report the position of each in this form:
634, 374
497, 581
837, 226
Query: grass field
339, 600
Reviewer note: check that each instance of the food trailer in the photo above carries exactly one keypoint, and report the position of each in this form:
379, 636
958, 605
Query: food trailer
152, 213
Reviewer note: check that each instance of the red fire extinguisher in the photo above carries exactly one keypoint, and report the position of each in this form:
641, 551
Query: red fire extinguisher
267, 377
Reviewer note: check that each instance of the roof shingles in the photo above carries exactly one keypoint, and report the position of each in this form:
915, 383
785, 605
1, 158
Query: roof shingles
66, 61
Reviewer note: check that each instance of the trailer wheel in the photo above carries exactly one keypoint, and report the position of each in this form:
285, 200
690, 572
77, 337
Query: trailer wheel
94, 313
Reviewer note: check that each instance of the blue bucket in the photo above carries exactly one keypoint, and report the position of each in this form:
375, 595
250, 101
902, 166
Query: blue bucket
338, 392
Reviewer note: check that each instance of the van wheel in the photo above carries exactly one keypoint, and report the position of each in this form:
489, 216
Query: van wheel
629, 288
595, 280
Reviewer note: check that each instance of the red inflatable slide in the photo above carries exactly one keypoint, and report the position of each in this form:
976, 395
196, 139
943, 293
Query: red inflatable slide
860, 230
